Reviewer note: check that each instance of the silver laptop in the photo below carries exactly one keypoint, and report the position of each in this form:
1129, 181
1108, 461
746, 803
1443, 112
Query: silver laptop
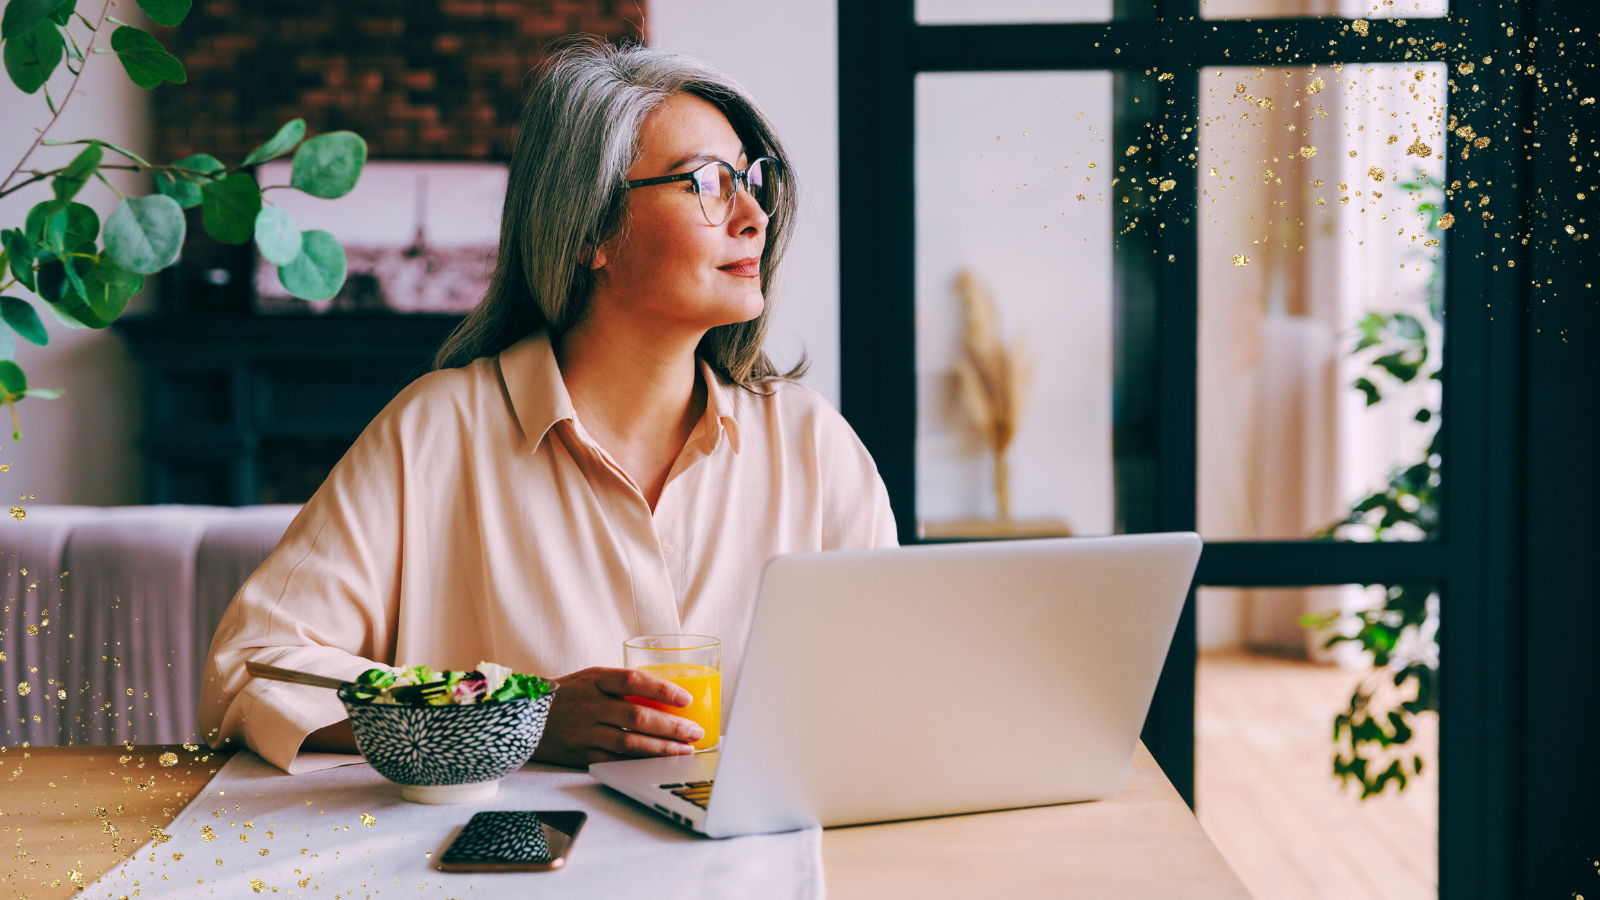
932, 680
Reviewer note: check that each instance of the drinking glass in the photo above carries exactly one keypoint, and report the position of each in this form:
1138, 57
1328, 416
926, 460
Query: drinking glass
690, 661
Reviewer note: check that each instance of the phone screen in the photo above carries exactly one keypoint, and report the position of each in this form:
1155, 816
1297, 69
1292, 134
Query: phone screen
513, 842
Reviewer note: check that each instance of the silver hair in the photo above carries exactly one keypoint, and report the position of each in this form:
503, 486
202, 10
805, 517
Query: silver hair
565, 193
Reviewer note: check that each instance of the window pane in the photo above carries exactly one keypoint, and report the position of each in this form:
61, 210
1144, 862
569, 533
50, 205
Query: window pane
1265, 788
1014, 260
1321, 286
1348, 9
997, 12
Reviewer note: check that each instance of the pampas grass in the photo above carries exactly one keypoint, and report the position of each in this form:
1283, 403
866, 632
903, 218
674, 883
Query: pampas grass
991, 381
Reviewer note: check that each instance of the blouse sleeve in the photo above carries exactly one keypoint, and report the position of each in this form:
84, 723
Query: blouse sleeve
325, 601
856, 511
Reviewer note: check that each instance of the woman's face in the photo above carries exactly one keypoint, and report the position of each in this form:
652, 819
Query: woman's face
667, 267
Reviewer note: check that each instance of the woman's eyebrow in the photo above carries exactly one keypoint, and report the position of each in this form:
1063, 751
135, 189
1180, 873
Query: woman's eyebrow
703, 156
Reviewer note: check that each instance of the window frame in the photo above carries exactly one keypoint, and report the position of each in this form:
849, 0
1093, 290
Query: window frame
1481, 553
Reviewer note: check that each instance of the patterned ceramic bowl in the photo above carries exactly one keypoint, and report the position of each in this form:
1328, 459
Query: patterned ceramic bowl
447, 754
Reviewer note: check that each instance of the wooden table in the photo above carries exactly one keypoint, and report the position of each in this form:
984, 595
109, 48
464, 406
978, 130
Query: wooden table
83, 809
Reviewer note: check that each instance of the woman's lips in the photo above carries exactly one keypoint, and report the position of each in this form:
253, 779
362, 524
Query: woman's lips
749, 267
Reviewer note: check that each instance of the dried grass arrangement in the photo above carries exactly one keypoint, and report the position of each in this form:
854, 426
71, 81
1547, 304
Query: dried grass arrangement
991, 380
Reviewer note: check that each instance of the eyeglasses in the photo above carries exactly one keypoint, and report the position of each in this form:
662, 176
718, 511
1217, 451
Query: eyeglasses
718, 184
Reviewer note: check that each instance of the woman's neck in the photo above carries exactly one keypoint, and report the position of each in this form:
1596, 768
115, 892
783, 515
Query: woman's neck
636, 390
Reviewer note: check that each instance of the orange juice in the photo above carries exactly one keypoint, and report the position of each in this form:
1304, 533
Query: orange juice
704, 685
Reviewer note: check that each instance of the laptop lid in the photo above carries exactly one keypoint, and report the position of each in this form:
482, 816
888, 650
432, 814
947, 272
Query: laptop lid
942, 679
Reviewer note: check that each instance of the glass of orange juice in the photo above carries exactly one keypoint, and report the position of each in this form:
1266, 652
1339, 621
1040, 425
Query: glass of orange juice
690, 661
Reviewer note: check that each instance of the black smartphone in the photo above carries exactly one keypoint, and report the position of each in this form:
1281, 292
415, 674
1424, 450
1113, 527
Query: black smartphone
513, 842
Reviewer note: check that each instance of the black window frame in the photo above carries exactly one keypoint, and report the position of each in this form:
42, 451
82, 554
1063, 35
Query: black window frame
1514, 563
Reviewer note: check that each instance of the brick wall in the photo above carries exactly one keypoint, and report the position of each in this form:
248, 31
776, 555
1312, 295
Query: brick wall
418, 79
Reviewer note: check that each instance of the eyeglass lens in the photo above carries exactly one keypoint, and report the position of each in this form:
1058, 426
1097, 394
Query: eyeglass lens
717, 193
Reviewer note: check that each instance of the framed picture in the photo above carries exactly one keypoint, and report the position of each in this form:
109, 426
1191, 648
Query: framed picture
419, 237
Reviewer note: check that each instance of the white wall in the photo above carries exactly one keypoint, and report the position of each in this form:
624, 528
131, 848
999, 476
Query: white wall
786, 54
80, 448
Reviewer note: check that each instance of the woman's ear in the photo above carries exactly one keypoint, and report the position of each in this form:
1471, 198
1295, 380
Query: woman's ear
594, 257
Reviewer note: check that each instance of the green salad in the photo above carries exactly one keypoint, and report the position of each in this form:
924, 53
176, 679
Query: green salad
425, 686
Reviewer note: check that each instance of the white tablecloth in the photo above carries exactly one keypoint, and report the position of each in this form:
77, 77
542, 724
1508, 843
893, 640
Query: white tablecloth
305, 837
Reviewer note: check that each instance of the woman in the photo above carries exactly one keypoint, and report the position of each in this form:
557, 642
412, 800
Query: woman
602, 451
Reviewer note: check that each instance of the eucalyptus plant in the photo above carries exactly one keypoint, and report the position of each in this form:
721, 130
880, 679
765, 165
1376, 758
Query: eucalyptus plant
84, 274
1401, 633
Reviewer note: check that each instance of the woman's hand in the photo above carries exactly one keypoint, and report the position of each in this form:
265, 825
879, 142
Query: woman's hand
590, 721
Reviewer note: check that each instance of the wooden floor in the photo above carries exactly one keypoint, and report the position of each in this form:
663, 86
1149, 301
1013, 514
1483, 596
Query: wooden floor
1266, 795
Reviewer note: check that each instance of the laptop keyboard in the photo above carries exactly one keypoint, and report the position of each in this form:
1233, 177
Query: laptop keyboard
696, 792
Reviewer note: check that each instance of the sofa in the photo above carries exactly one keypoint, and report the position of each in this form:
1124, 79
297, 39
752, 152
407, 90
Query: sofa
109, 612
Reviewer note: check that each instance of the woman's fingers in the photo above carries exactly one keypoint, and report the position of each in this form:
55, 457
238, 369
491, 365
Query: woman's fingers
633, 743
644, 720
634, 683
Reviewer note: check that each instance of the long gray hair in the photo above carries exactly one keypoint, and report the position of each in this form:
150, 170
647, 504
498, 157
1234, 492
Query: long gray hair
565, 194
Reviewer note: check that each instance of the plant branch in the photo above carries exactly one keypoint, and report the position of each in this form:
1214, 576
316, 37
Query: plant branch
71, 89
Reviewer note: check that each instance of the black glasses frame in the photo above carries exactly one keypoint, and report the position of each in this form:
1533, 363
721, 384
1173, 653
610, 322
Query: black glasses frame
741, 178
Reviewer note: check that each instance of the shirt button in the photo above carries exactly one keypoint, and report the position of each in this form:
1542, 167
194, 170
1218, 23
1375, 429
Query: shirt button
666, 549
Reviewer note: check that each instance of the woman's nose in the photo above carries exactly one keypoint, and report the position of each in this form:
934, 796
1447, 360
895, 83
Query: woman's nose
747, 213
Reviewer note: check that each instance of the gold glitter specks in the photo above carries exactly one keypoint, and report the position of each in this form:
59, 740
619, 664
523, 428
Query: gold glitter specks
1316, 85
1571, 230
1465, 68
1132, 149
168, 759
23, 690
263, 851
1587, 101
76, 877
33, 629
1419, 149
368, 819
304, 881
219, 860
244, 838
1317, 183
1307, 152
269, 835
61, 695
1393, 139
1446, 220
158, 835
1481, 143
18, 513
1375, 173
1344, 201
1164, 76
1092, 164
1352, 154
1167, 184
1238, 88
177, 857
206, 834
1239, 259
1080, 196
1359, 26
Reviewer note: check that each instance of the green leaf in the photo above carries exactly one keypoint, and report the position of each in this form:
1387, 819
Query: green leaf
12, 379
63, 12
329, 165
1396, 364
107, 289
21, 16
282, 142
318, 272
145, 234
8, 344
1423, 415
20, 249
19, 314
165, 12
106, 144
183, 187
148, 63
277, 237
1368, 388
229, 207
76, 174
31, 57
83, 223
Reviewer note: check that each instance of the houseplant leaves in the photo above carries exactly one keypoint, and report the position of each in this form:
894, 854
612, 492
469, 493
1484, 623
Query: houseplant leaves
30, 57
19, 314
229, 207
279, 240
20, 251
318, 272
81, 223
329, 165
179, 187
145, 234
22, 15
165, 12
287, 137
148, 63
77, 173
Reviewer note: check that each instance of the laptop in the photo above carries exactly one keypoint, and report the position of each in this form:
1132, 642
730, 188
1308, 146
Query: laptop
933, 680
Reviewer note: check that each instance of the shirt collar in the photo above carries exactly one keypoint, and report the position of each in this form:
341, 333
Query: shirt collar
539, 396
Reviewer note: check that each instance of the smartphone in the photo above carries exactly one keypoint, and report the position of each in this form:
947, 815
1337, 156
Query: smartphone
513, 842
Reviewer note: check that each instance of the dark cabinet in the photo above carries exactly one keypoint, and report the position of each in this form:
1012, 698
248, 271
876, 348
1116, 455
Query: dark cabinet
257, 410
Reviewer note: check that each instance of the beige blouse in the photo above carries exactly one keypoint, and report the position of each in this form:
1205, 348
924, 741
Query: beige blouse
475, 519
